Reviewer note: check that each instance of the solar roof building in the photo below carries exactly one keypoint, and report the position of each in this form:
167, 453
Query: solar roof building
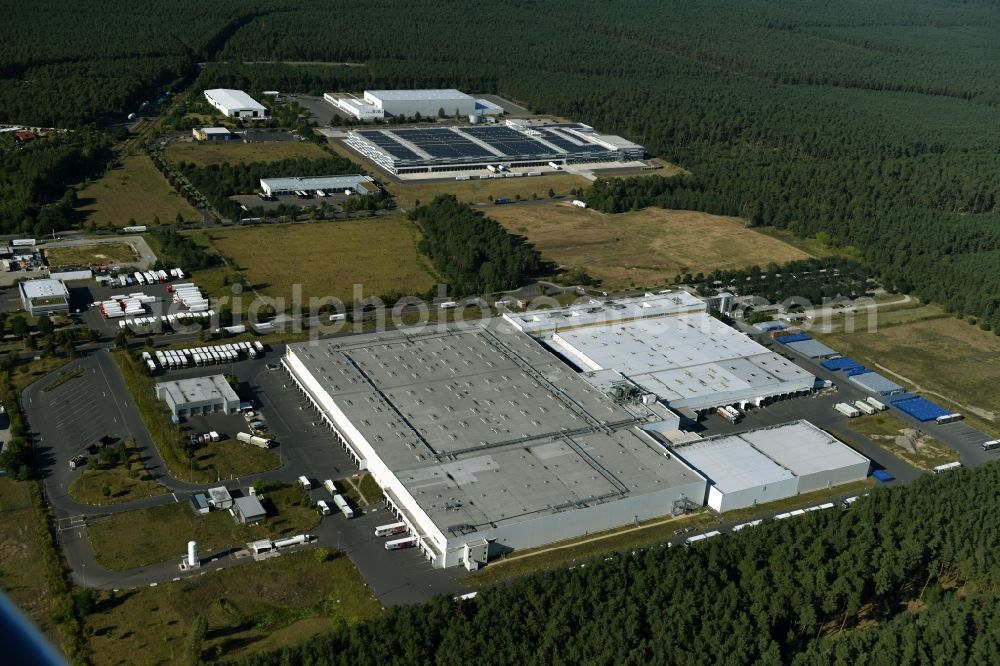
477, 434
668, 346
458, 148
235, 103
771, 463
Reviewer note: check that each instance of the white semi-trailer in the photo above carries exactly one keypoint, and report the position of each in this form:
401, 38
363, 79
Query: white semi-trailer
399, 544
390, 529
864, 407
877, 404
847, 410
344, 507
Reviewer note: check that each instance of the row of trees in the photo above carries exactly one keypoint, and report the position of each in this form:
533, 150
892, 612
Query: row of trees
828, 587
472, 251
810, 279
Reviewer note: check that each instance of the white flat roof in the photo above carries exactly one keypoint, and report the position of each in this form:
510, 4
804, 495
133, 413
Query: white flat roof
426, 94
592, 312
732, 464
44, 288
314, 183
689, 360
214, 130
803, 448
198, 389
234, 99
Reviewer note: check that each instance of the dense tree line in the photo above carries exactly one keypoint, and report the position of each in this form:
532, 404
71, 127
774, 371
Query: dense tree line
218, 182
472, 251
907, 575
36, 196
812, 280
174, 250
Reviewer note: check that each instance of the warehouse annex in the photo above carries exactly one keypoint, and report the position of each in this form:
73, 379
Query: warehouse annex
668, 345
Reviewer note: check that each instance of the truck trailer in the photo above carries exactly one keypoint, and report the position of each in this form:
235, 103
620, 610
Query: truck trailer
863, 406
847, 410
390, 529
877, 404
399, 544
344, 507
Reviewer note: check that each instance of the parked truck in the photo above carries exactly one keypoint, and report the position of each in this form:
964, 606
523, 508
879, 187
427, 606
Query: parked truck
330, 486
847, 410
865, 407
579, 204
877, 404
261, 442
304, 483
390, 529
399, 544
724, 413
734, 413
344, 507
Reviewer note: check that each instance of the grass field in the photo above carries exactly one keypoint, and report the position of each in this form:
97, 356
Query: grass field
161, 533
84, 255
328, 258
29, 372
642, 248
916, 448
250, 608
135, 191
479, 191
206, 153
948, 360
124, 483
22, 570
810, 246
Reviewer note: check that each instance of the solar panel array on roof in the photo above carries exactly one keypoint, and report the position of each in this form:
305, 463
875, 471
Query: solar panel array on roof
389, 145
570, 144
921, 408
443, 143
507, 140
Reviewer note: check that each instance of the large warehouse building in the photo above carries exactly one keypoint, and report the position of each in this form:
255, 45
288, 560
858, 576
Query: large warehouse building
769, 464
327, 184
485, 442
463, 148
425, 102
235, 103
669, 346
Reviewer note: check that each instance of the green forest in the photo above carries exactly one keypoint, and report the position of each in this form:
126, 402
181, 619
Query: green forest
474, 252
873, 123
905, 576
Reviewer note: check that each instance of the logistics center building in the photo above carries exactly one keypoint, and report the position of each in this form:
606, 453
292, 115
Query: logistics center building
485, 442
235, 103
412, 150
667, 345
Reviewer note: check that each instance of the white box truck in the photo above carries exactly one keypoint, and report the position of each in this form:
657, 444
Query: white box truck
304, 483
330, 486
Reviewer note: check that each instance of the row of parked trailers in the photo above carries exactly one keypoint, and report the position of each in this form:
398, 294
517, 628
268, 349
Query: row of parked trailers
185, 358
147, 277
869, 406
190, 296
181, 317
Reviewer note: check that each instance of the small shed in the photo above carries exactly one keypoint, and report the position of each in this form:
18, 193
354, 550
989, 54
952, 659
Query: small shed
199, 503
219, 498
248, 510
